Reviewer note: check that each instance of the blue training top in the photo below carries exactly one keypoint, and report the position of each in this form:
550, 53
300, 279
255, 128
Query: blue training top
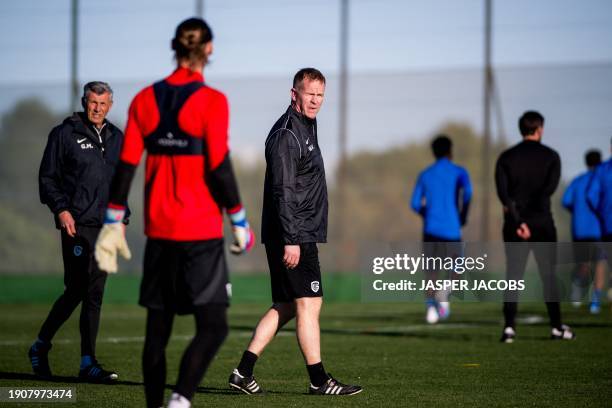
585, 224
599, 195
440, 184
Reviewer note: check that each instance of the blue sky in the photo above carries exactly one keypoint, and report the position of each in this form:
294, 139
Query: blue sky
551, 55
130, 39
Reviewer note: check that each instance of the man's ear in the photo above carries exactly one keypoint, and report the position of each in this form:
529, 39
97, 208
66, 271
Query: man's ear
540, 131
293, 95
208, 48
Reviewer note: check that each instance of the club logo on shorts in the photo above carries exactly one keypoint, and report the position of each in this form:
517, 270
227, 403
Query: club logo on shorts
77, 250
314, 285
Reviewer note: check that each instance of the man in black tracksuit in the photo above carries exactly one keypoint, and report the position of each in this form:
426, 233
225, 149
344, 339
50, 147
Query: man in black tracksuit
74, 179
294, 220
526, 176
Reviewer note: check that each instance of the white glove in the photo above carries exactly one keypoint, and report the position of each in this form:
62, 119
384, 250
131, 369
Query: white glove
244, 239
110, 241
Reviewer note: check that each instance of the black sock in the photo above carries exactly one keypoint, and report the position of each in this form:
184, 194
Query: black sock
317, 374
211, 330
554, 313
158, 330
247, 363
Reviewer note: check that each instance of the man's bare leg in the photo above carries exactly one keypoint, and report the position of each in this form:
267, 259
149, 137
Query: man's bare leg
307, 330
271, 322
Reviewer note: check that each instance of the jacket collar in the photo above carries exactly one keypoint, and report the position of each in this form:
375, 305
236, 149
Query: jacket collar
83, 126
301, 117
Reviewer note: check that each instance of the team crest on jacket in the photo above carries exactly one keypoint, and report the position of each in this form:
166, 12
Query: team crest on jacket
314, 285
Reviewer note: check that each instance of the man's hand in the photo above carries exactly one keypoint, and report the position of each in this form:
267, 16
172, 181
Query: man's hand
244, 238
67, 222
292, 256
523, 231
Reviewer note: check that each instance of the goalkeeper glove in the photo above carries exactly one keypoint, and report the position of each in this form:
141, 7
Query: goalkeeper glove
111, 240
244, 239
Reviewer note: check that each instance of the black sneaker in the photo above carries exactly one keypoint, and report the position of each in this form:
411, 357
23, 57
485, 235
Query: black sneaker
564, 334
248, 385
508, 335
334, 387
96, 374
39, 358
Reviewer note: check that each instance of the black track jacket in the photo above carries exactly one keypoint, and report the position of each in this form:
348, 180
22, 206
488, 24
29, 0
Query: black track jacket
526, 176
76, 169
295, 191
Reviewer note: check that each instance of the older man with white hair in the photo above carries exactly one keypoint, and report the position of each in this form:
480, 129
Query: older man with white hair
74, 181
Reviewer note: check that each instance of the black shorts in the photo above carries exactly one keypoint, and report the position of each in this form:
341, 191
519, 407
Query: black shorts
302, 281
436, 247
588, 250
180, 275
441, 247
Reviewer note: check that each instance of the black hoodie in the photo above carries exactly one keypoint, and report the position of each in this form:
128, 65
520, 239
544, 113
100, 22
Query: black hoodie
77, 168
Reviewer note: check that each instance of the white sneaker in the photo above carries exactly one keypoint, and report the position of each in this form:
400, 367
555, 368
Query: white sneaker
564, 334
508, 335
178, 401
432, 316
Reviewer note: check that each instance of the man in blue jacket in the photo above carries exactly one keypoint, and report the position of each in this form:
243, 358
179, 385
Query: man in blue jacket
585, 230
599, 196
74, 180
442, 197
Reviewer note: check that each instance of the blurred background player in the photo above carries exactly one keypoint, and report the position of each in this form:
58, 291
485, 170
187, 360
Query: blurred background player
442, 197
526, 176
599, 196
586, 229
183, 125
294, 220
74, 179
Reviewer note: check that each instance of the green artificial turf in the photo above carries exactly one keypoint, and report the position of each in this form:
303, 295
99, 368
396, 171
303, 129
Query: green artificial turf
387, 348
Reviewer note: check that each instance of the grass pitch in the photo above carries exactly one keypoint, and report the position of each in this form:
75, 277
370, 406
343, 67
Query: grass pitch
386, 348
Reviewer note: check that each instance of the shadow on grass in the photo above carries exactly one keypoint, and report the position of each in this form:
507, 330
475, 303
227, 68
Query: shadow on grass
57, 379
228, 391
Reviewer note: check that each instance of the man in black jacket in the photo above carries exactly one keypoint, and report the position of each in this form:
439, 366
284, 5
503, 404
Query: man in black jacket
74, 179
294, 220
526, 176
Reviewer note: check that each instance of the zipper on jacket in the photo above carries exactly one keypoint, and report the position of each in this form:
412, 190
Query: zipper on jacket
99, 133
